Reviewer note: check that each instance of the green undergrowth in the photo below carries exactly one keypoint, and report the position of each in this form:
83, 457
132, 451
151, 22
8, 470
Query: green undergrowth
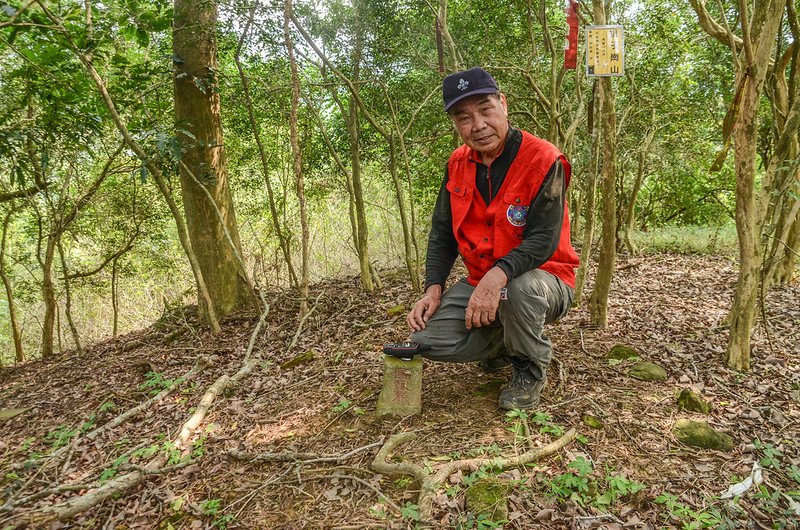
687, 240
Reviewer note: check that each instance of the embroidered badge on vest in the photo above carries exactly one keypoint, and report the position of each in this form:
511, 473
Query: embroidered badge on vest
516, 215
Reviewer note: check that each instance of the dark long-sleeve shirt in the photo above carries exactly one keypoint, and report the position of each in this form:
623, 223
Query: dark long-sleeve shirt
542, 226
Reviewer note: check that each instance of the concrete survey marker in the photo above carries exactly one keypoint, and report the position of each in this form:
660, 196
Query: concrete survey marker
402, 387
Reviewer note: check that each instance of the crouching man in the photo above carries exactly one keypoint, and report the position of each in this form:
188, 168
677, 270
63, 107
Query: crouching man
502, 208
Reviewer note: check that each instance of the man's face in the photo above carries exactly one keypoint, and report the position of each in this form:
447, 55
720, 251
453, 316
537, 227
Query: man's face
482, 122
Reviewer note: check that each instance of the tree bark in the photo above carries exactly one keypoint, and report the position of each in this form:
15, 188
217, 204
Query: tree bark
114, 298
751, 204
68, 299
598, 302
589, 213
19, 352
361, 235
199, 127
785, 269
48, 293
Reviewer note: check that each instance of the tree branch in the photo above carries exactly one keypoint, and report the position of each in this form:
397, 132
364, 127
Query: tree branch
12, 18
712, 27
33, 190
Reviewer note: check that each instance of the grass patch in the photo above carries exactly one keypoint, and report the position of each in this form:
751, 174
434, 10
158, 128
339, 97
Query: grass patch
688, 240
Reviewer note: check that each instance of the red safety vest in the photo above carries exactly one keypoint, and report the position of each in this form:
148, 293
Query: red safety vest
487, 233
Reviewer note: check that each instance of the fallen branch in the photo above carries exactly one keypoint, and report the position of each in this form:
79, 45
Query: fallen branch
76, 505
128, 414
119, 420
430, 483
46, 493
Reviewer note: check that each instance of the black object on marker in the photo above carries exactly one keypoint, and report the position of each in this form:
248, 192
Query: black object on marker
404, 350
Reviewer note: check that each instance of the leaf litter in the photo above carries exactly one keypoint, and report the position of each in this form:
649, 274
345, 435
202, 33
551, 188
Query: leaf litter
670, 308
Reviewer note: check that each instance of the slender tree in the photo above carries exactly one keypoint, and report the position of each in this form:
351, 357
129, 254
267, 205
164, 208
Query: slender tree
19, 352
297, 159
598, 301
751, 51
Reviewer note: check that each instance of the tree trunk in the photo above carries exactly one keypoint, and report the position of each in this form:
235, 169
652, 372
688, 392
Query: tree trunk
68, 299
598, 302
588, 213
297, 159
407, 244
114, 299
751, 203
197, 121
361, 235
19, 352
785, 268
48, 297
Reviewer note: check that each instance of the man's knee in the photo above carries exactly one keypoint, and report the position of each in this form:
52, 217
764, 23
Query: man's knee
539, 292
421, 337
528, 285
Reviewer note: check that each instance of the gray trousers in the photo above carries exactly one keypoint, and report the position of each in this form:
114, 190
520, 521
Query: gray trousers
535, 298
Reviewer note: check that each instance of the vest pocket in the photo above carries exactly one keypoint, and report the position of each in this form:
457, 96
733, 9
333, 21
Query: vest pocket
456, 189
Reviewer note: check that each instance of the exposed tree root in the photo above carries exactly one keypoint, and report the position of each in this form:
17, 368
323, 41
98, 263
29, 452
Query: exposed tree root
157, 465
430, 483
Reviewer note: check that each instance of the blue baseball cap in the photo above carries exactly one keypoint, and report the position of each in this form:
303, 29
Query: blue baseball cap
460, 85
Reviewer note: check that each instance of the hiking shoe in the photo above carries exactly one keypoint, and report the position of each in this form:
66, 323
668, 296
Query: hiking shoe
523, 391
495, 364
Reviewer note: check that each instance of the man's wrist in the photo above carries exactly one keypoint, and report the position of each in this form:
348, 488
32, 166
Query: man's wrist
434, 289
498, 276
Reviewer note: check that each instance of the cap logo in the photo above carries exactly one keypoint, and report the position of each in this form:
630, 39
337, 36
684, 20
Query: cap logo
462, 84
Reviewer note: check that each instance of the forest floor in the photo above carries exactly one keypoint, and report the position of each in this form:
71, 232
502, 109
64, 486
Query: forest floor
631, 472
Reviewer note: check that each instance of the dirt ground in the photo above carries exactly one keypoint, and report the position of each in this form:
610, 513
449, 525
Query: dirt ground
631, 472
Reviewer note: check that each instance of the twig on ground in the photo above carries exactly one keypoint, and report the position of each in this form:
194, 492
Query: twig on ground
379, 493
560, 385
52, 491
592, 518
247, 498
302, 322
299, 458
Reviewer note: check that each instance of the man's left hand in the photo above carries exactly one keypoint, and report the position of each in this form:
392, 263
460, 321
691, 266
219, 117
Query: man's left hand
482, 306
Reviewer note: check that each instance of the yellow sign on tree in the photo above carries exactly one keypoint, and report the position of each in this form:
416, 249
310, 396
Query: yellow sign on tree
605, 51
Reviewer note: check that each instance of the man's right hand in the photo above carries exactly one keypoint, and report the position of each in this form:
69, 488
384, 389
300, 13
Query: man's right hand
425, 308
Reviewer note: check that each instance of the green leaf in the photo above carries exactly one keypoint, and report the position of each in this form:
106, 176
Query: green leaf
581, 466
119, 60
163, 23
107, 474
143, 174
410, 511
142, 37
